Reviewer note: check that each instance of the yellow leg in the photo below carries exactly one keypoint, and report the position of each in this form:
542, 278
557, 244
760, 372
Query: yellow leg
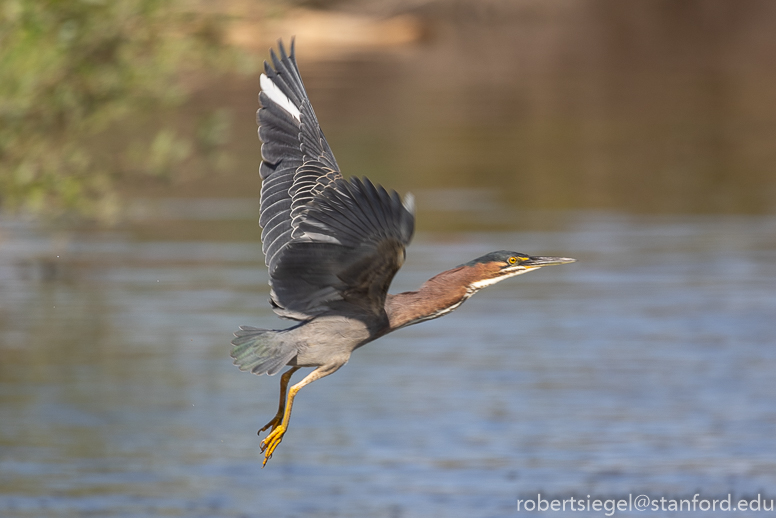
284, 379
271, 442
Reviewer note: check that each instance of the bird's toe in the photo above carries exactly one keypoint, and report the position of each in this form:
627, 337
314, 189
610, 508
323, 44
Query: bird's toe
272, 441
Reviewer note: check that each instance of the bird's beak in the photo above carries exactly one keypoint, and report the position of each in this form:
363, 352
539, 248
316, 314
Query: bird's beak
539, 261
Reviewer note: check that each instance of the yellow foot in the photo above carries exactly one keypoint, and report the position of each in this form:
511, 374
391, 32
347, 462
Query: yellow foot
271, 442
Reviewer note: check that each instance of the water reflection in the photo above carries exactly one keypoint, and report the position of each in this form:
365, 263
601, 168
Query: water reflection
645, 367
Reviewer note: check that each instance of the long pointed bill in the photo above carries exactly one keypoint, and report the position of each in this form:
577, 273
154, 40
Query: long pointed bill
538, 261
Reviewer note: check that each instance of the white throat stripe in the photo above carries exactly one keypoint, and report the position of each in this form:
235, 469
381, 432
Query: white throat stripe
489, 282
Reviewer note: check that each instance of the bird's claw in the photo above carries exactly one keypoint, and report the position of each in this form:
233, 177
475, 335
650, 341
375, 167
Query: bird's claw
271, 442
272, 424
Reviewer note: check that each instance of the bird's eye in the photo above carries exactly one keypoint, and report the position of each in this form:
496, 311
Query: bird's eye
512, 260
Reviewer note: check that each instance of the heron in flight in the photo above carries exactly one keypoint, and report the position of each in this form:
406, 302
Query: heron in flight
332, 246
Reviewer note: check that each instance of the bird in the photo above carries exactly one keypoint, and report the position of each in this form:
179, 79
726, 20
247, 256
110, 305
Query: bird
332, 246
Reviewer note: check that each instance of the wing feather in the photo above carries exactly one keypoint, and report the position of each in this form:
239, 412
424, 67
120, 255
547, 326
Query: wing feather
342, 251
292, 139
327, 241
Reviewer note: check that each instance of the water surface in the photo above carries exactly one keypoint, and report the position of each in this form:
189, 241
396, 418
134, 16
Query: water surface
646, 367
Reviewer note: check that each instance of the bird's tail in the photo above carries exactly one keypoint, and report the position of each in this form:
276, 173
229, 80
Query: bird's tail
262, 351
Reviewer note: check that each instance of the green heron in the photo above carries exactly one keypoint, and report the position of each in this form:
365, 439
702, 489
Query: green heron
333, 246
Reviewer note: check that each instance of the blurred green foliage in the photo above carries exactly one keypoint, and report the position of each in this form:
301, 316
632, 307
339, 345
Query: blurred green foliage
72, 69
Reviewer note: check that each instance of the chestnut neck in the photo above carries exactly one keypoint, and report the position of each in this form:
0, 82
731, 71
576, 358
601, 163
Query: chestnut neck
438, 296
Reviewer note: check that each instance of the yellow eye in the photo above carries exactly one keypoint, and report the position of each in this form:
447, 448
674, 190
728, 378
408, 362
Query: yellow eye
512, 260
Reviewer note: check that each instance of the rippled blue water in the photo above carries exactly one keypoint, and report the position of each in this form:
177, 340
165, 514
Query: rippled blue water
646, 367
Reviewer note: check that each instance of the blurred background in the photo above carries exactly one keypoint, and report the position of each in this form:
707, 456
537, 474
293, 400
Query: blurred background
638, 137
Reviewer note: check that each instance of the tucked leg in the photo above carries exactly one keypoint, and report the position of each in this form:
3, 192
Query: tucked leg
271, 442
284, 379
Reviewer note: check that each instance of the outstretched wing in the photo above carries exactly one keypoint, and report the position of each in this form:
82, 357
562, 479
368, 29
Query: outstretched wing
327, 241
297, 162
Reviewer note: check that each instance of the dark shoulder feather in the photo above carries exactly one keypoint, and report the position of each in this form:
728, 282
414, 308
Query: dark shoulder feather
347, 248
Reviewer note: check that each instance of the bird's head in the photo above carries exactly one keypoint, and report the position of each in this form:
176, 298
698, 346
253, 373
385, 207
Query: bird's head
497, 266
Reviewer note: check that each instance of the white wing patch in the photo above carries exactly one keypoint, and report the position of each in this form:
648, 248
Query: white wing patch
278, 97
409, 203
